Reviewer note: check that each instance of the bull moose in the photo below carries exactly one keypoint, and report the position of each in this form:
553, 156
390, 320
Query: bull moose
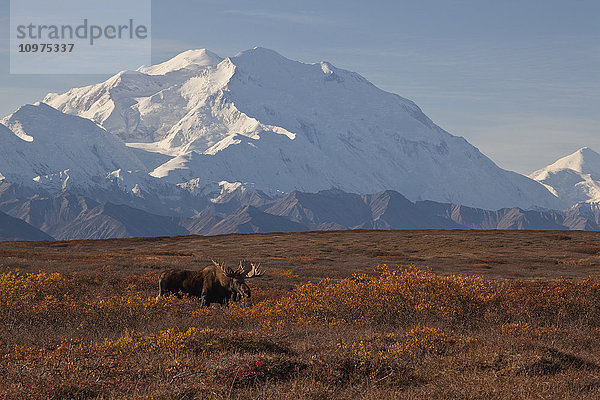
217, 283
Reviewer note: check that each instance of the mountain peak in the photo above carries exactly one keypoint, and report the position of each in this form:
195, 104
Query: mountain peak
587, 152
260, 58
259, 52
31, 113
574, 178
201, 58
584, 161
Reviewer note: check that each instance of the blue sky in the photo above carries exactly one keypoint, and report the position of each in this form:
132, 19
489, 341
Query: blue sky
519, 80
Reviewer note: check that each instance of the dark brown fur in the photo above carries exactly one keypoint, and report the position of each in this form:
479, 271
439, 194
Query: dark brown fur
211, 285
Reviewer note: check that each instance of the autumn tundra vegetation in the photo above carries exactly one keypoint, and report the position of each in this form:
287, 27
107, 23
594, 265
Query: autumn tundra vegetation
389, 332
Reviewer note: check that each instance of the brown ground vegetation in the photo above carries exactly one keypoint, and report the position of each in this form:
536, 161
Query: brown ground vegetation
483, 314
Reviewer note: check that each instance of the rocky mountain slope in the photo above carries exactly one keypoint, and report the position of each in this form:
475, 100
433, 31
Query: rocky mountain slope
15, 229
68, 216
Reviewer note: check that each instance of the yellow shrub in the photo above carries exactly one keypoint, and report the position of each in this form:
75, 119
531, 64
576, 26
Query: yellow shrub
423, 340
393, 296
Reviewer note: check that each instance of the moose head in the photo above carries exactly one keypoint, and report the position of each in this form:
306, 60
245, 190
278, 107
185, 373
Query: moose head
234, 279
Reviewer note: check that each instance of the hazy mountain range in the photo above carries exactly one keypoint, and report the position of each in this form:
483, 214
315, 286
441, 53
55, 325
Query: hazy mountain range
69, 216
258, 142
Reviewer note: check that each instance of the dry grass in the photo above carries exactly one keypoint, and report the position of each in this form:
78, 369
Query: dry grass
317, 255
89, 327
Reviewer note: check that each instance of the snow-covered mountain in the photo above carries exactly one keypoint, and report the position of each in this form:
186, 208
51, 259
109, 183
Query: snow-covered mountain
48, 152
53, 151
574, 178
279, 125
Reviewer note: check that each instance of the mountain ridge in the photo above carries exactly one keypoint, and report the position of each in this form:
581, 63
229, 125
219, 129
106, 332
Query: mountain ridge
70, 216
12, 229
282, 125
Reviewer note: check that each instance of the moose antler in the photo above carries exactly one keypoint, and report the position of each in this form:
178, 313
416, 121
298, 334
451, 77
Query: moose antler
250, 270
223, 267
245, 269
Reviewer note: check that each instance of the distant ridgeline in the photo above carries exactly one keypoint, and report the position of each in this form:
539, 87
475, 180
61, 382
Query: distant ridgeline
69, 216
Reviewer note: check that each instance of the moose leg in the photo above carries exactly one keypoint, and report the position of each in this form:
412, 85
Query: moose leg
235, 296
160, 289
204, 300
